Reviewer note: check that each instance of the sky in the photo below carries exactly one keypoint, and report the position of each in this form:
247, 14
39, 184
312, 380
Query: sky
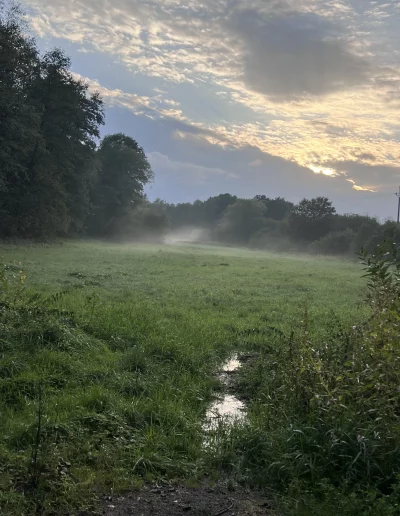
291, 98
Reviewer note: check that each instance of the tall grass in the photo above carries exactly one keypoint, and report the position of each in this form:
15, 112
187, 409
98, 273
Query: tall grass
88, 405
108, 355
324, 421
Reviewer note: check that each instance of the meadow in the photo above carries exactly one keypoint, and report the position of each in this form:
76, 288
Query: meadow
108, 355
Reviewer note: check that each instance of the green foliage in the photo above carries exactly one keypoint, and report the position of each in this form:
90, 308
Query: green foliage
311, 219
278, 208
324, 413
123, 170
329, 500
75, 421
53, 180
382, 269
335, 242
48, 138
201, 214
241, 220
151, 222
388, 231
355, 222
312, 225
19, 67
272, 237
214, 208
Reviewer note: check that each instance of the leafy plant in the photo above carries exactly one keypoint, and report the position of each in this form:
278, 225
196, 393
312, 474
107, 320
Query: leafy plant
328, 413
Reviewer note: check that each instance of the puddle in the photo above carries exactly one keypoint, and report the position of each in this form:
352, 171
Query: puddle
231, 365
226, 409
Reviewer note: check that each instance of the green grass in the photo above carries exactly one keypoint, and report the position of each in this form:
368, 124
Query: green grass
201, 282
124, 356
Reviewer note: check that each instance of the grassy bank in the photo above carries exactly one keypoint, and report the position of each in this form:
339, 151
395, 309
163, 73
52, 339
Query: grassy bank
107, 355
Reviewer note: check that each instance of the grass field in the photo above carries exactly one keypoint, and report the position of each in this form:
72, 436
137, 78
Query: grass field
105, 376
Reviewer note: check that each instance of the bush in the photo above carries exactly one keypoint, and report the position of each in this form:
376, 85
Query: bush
325, 416
271, 236
240, 221
336, 242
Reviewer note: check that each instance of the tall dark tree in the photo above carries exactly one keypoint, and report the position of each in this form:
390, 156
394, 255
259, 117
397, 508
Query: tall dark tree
19, 69
123, 171
311, 219
214, 207
278, 208
241, 220
61, 160
49, 124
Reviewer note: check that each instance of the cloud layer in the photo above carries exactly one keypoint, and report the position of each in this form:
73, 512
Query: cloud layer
296, 55
314, 82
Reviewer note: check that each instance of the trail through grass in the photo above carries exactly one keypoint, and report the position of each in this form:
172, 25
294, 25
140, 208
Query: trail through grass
123, 342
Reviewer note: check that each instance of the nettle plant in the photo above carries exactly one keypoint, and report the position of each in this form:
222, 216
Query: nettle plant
382, 268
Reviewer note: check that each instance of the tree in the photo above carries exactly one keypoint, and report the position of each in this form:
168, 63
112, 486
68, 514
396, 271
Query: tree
214, 207
19, 69
278, 208
355, 222
241, 220
262, 198
186, 214
49, 125
61, 161
123, 171
389, 231
311, 219
151, 221
335, 242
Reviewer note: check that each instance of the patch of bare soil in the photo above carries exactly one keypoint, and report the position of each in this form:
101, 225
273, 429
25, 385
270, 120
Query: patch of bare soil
181, 501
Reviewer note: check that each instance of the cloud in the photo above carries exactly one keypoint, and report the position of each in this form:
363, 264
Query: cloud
369, 176
313, 84
323, 146
296, 55
189, 173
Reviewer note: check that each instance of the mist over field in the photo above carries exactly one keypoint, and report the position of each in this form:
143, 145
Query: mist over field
187, 235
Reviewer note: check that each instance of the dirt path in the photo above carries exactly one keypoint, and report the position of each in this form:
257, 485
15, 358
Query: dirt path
178, 500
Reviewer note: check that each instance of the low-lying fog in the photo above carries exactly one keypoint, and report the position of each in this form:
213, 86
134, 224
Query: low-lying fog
187, 235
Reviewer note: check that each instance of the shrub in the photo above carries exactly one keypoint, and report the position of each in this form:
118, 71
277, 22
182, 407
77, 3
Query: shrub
336, 242
271, 236
328, 413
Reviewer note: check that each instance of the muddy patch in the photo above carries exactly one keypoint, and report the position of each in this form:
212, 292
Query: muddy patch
167, 500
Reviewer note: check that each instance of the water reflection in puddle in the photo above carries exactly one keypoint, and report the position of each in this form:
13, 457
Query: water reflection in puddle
231, 365
227, 408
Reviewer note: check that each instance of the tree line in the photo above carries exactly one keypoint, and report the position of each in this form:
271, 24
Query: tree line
56, 176
312, 225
